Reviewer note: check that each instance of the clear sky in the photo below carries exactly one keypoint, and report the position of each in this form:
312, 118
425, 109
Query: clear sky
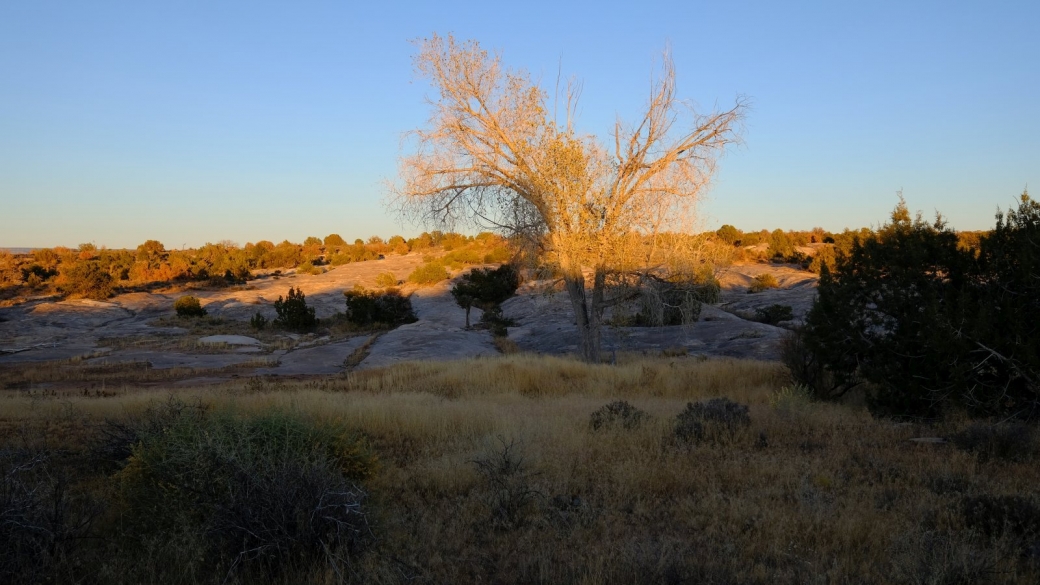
190, 122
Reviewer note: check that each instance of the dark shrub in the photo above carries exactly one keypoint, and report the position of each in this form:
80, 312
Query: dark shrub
486, 289
1010, 442
509, 493
774, 314
806, 368
716, 419
37, 273
615, 414
256, 494
258, 322
929, 324
387, 308
494, 321
293, 312
189, 306
996, 516
41, 518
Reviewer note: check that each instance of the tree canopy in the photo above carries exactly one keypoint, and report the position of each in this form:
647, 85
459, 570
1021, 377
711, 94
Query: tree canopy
495, 154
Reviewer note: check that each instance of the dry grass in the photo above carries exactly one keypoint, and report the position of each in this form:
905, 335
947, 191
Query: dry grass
810, 493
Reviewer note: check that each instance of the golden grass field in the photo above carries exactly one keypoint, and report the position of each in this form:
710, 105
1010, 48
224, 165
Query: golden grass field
489, 472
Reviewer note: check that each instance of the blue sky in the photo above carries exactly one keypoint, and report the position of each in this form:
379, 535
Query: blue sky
194, 122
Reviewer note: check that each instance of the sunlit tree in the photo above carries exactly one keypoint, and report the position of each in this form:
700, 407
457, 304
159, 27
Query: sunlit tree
496, 153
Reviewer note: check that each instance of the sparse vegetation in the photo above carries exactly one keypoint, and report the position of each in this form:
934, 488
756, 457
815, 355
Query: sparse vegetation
500, 456
763, 282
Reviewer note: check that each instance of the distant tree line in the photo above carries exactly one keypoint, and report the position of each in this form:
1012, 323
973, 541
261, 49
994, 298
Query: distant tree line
92, 272
810, 249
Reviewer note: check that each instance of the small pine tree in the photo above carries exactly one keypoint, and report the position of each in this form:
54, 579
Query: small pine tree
293, 312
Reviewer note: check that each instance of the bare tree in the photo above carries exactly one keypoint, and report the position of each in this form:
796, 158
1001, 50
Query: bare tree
495, 154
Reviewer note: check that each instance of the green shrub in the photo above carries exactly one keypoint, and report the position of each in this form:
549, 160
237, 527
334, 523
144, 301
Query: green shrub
428, 273
388, 308
774, 314
763, 282
494, 321
87, 279
790, 398
293, 312
258, 322
486, 289
308, 267
498, 255
255, 494
780, 246
386, 279
824, 255
729, 235
929, 324
189, 306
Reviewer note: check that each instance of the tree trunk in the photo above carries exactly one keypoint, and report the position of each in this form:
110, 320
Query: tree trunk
467, 316
587, 316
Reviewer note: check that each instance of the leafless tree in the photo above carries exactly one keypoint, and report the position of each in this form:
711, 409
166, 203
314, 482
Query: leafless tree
495, 154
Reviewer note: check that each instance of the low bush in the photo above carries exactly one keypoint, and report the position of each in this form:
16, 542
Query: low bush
41, 520
774, 314
258, 322
254, 494
293, 312
36, 274
87, 279
494, 321
308, 267
806, 368
386, 280
429, 273
388, 308
189, 306
790, 398
998, 516
617, 414
509, 493
714, 420
672, 302
763, 282
1007, 441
